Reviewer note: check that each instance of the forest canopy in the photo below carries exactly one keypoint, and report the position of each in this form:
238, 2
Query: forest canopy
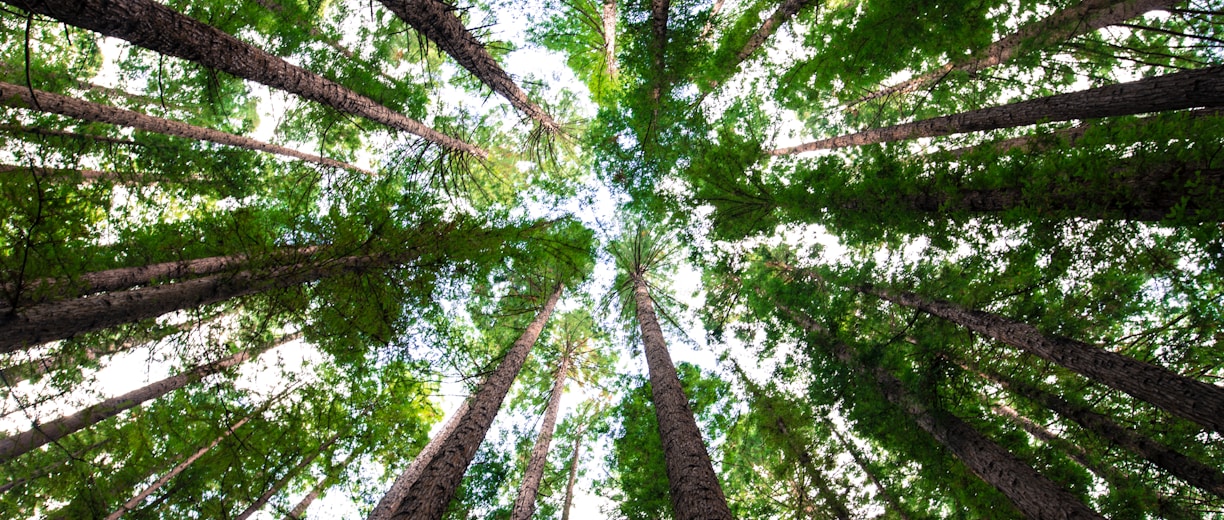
691, 259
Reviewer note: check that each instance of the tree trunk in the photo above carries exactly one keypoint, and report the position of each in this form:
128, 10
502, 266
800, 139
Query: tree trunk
573, 475
609, 37
709, 25
1195, 400
436, 21
166, 31
47, 469
783, 14
695, 491
1191, 89
45, 433
862, 463
1082, 18
429, 495
1185, 468
524, 504
299, 511
59, 173
394, 496
1030, 491
20, 97
280, 483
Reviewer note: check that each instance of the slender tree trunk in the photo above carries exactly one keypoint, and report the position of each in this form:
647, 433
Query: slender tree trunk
436, 20
47, 469
1041, 433
429, 495
709, 25
284, 480
299, 511
609, 36
787, 10
1195, 400
524, 503
20, 97
1082, 18
1191, 89
166, 31
695, 491
573, 475
45, 433
861, 461
58, 173
1185, 468
1030, 491
394, 496
47, 132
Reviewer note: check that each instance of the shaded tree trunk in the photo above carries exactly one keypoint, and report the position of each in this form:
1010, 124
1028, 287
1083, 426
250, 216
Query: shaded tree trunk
1082, 18
394, 496
608, 17
436, 20
783, 14
1030, 491
166, 31
573, 475
695, 491
284, 480
861, 461
429, 495
1191, 89
48, 432
47, 132
58, 173
524, 503
709, 25
20, 97
299, 510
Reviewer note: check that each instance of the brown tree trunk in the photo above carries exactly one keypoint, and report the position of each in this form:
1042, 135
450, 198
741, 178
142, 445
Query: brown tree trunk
695, 491
1082, 18
1185, 468
45, 433
608, 17
1191, 89
59, 173
573, 475
783, 14
284, 480
1030, 491
399, 489
166, 31
429, 495
436, 21
20, 97
862, 463
299, 511
524, 503
709, 25
1195, 400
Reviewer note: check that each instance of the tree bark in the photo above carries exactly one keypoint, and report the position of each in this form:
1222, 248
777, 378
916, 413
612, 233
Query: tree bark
783, 14
429, 495
1185, 468
862, 463
281, 482
608, 17
45, 433
573, 475
59, 173
1030, 491
695, 491
709, 25
1195, 400
1191, 89
1082, 18
524, 503
394, 496
166, 31
299, 511
20, 97
437, 21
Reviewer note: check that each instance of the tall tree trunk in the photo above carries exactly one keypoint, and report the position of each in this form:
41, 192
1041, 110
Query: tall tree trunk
861, 461
284, 480
58, 173
524, 503
1195, 400
47, 132
1082, 18
166, 31
1191, 471
45, 433
573, 474
436, 20
608, 17
394, 496
709, 25
299, 511
1030, 491
787, 10
695, 491
1190, 89
429, 495
21, 97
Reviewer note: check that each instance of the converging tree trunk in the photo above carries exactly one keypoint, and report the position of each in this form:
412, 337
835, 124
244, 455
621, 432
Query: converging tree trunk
284, 480
166, 31
391, 500
861, 461
608, 17
695, 491
429, 495
21, 97
787, 10
1190, 89
524, 503
436, 20
299, 510
573, 474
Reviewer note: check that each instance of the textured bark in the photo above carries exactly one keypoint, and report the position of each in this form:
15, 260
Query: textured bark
573, 475
437, 22
135, 501
429, 495
1191, 89
148, 24
861, 461
1195, 400
1185, 468
524, 503
783, 14
1031, 492
299, 511
48, 432
658, 50
17, 96
695, 491
284, 480
1082, 18
608, 17
399, 489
